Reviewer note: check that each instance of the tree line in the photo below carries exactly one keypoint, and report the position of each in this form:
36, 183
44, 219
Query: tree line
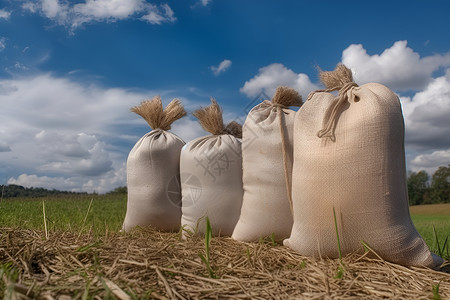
16, 191
422, 190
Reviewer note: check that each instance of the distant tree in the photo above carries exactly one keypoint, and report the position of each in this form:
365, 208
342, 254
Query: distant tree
119, 190
14, 191
440, 185
418, 187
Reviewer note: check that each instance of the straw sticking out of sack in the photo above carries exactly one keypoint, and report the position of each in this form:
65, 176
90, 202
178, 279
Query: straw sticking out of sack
234, 128
337, 78
286, 96
210, 117
158, 118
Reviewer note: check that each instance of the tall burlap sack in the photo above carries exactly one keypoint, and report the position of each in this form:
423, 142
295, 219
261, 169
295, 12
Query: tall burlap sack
154, 195
267, 166
211, 175
349, 156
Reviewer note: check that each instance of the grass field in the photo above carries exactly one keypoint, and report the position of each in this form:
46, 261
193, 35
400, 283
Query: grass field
433, 220
106, 213
68, 213
83, 256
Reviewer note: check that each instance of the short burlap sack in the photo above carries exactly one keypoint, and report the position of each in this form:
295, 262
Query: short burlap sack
267, 167
154, 191
211, 175
349, 157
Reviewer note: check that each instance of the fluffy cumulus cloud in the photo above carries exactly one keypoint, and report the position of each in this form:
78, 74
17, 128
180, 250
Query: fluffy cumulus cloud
4, 14
79, 154
73, 16
427, 125
427, 111
271, 76
427, 115
63, 134
431, 161
222, 67
425, 96
114, 178
398, 67
103, 9
51, 8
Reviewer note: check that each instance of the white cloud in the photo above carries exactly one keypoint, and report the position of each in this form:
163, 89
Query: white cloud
109, 181
70, 154
158, 16
2, 44
73, 16
398, 67
427, 115
30, 6
430, 162
103, 9
53, 127
44, 102
58, 133
426, 112
205, 2
188, 129
222, 67
20, 66
4, 14
270, 77
50, 8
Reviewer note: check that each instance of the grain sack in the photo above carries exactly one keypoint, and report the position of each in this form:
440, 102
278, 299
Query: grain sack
349, 156
267, 166
154, 195
211, 175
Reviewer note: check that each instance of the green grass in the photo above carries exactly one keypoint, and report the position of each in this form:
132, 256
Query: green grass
424, 225
73, 213
207, 257
70, 213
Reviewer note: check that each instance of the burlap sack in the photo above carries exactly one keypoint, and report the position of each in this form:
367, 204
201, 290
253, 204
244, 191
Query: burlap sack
154, 195
349, 155
211, 175
267, 166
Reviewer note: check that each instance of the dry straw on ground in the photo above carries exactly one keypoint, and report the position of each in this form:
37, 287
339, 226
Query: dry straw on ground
150, 264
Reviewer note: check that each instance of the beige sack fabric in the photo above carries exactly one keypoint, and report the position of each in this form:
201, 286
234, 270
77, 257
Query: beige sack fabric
154, 195
211, 175
349, 155
267, 166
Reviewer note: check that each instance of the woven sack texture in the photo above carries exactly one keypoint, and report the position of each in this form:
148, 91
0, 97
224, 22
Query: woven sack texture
349, 157
267, 167
211, 175
154, 191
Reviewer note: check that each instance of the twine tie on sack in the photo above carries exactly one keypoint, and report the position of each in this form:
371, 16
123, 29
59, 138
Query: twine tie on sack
283, 98
340, 79
280, 114
330, 124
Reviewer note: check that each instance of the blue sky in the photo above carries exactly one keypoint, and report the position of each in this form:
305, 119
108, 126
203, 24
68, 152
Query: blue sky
70, 71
